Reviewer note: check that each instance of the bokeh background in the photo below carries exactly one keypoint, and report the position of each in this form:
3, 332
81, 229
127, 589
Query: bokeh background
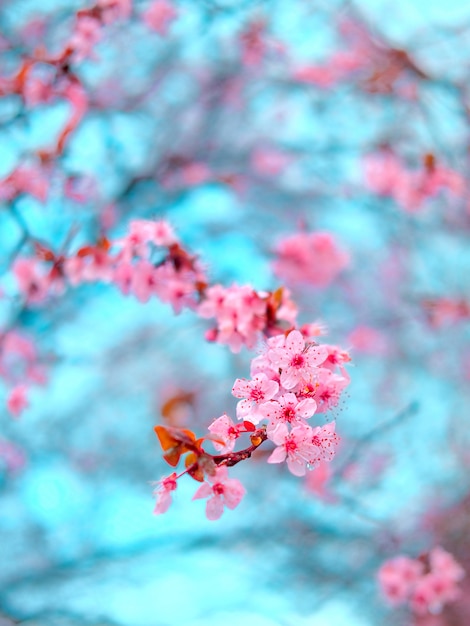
240, 126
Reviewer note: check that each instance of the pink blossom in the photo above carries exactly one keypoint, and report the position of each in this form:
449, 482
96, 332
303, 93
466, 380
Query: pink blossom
287, 409
240, 314
74, 268
159, 232
159, 16
296, 359
142, 233
112, 10
17, 400
144, 280
33, 283
426, 583
325, 441
163, 493
324, 386
86, 35
224, 429
97, 265
397, 578
255, 392
295, 446
222, 492
336, 358
262, 365
387, 175
311, 258
122, 277
442, 561
178, 288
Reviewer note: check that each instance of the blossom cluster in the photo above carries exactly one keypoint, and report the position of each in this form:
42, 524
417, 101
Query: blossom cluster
150, 261
309, 258
147, 261
426, 584
291, 380
387, 175
241, 313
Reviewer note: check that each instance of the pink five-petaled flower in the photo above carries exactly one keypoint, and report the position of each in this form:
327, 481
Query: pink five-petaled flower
296, 359
294, 445
325, 386
225, 431
288, 410
33, 282
255, 392
325, 440
163, 493
223, 491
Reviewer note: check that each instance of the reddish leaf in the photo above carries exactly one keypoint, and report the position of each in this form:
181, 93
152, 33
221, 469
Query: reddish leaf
85, 251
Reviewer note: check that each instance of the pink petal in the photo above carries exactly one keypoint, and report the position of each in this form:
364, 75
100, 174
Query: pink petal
316, 355
296, 466
214, 508
278, 455
234, 492
204, 490
290, 378
241, 388
295, 342
306, 408
279, 434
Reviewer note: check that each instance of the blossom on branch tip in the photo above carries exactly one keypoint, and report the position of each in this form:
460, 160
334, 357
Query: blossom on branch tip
163, 493
223, 491
226, 432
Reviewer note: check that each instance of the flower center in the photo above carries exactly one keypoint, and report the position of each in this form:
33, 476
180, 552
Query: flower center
256, 395
291, 445
218, 489
297, 361
289, 414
